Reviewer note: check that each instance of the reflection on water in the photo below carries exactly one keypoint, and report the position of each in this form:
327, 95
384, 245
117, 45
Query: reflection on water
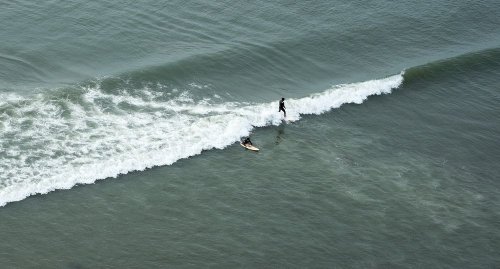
281, 134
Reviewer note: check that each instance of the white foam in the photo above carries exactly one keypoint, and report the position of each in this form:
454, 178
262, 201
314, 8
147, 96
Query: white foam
98, 141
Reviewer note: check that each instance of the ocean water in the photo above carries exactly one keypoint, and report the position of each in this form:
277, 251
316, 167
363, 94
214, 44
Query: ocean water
120, 122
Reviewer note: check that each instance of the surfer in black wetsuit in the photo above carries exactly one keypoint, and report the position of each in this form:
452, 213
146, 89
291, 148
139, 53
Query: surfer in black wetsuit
282, 106
247, 141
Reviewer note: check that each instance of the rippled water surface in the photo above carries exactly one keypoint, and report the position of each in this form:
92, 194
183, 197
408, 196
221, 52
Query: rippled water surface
388, 157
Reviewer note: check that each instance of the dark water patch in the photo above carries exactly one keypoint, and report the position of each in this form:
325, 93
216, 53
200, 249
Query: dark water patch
481, 61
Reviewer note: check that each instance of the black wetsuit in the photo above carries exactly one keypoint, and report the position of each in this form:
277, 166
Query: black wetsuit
247, 141
282, 107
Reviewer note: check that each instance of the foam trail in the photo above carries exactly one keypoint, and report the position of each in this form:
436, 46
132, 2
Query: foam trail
47, 144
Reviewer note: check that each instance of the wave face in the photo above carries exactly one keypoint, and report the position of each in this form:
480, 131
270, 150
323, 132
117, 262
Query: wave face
483, 60
55, 140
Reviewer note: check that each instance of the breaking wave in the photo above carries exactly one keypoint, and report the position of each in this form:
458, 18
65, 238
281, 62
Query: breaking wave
52, 142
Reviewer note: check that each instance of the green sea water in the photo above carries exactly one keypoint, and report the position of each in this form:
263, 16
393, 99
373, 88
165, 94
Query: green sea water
119, 125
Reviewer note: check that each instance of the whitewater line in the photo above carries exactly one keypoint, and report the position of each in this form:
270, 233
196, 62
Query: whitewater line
92, 145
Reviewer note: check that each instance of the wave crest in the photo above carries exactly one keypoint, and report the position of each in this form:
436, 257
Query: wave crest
51, 144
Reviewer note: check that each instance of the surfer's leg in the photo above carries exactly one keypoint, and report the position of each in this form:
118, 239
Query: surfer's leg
284, 112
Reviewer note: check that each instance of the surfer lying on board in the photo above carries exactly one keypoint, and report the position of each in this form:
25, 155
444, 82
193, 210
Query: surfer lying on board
282, 106
247, 141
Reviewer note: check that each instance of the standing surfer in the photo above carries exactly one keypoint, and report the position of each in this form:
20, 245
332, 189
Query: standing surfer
282, 106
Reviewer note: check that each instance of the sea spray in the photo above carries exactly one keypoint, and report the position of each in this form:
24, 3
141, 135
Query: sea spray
49, 144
